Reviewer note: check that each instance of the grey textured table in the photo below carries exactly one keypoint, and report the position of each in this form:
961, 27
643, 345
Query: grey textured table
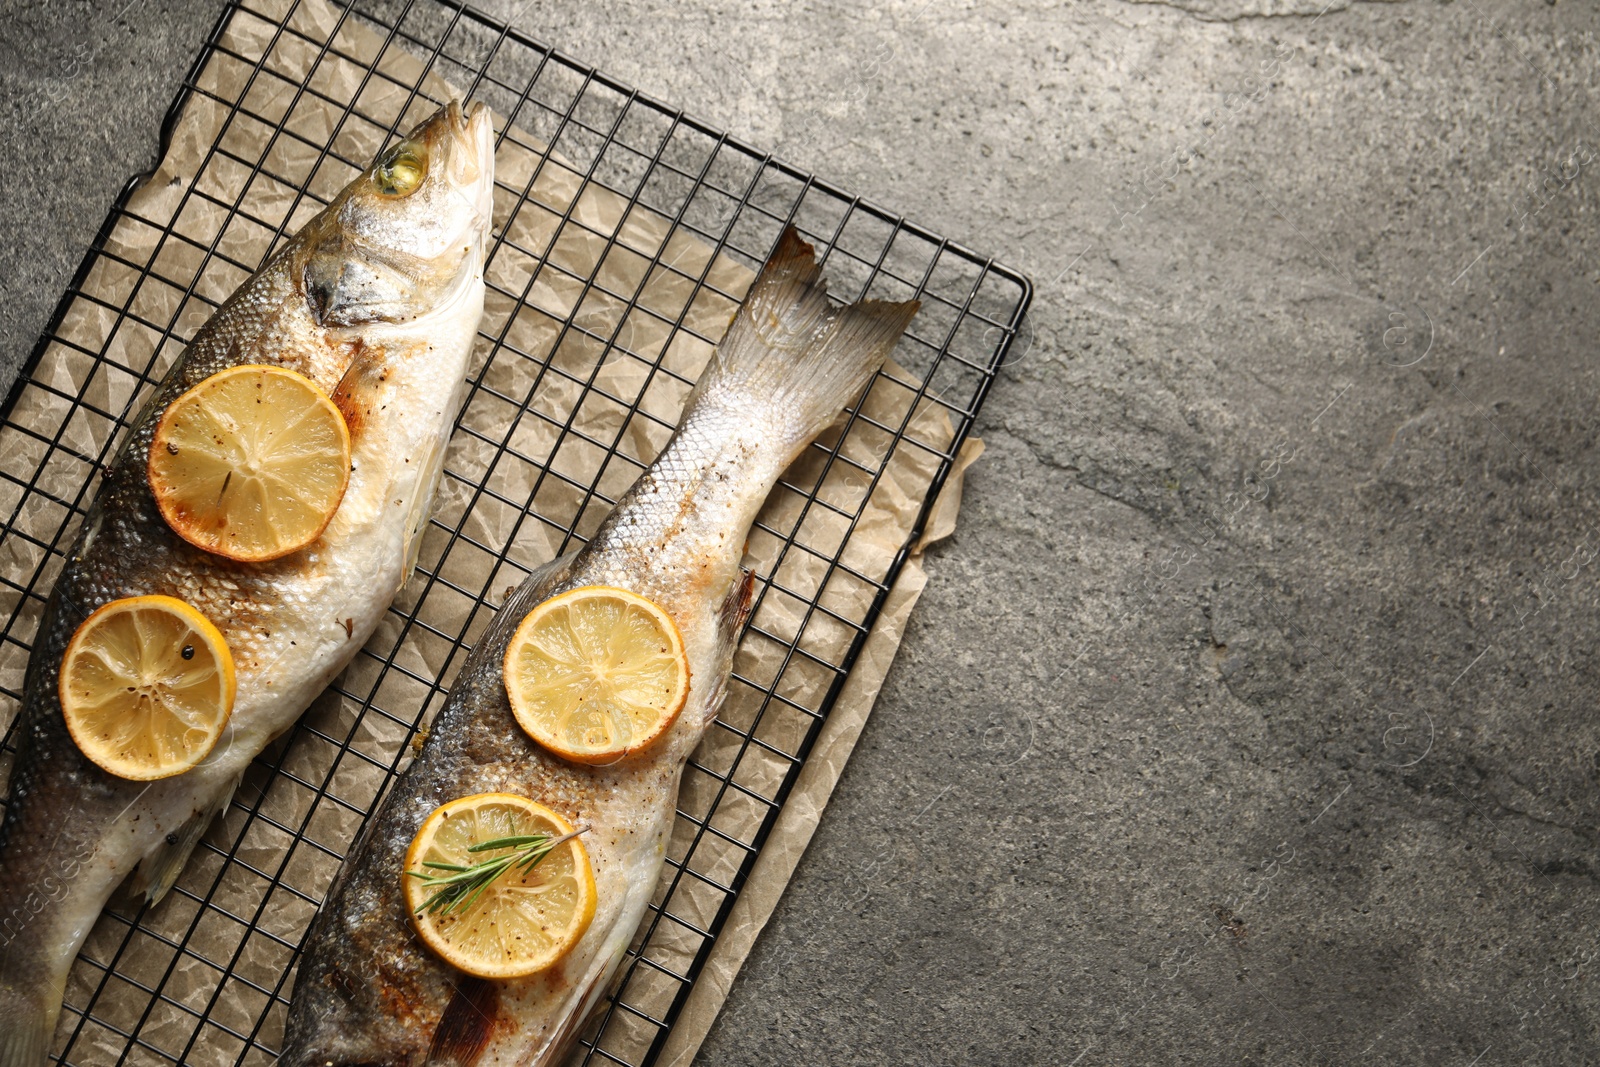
1248, 717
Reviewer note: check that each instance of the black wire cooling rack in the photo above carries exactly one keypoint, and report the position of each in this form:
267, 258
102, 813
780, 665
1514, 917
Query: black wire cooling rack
634, 229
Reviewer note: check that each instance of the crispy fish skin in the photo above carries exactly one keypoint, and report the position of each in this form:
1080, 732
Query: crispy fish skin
368, 991
377, 300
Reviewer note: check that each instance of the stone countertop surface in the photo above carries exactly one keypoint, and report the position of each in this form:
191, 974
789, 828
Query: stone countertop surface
1249, 715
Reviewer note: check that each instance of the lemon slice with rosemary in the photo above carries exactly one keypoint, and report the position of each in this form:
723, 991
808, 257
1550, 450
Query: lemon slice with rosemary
498, 885
251, 463
596, 673
146, 687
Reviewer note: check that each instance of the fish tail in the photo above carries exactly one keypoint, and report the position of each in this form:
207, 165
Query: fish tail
26, 1024
794, 353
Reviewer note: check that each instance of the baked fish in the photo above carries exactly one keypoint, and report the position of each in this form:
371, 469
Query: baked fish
376, 300
368, 991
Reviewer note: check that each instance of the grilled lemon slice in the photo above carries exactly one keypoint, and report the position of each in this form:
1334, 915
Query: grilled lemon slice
146, 687
596, 673
522, 919
251, 463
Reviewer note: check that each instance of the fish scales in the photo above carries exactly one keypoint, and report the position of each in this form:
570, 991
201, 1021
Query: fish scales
369, 992
377, 301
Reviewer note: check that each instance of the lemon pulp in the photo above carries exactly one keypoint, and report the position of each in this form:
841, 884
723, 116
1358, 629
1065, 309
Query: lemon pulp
526, 920
147, 685
251, 463
596, 673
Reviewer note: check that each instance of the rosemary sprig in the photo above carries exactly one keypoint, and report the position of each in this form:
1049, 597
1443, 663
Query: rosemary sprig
459, 888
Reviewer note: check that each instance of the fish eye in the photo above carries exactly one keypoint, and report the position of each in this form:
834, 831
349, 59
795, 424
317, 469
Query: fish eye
400, 171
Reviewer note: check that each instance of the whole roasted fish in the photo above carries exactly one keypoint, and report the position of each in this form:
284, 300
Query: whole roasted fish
368, 991
377, 300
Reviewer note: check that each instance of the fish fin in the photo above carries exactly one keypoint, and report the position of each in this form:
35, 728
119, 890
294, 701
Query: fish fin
586, 997
432, 467
26, 1025
735, 610
466, 1025
732, 616
159, 869
535, 589
796, 353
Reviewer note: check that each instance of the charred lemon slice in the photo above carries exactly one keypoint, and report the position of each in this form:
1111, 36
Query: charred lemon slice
596, 673
146, 687
498, 885
251, 463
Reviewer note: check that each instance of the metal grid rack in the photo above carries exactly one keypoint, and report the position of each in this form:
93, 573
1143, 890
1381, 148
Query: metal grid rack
205, 977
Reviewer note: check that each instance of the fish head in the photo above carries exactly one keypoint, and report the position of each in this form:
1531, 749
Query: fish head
408, 235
